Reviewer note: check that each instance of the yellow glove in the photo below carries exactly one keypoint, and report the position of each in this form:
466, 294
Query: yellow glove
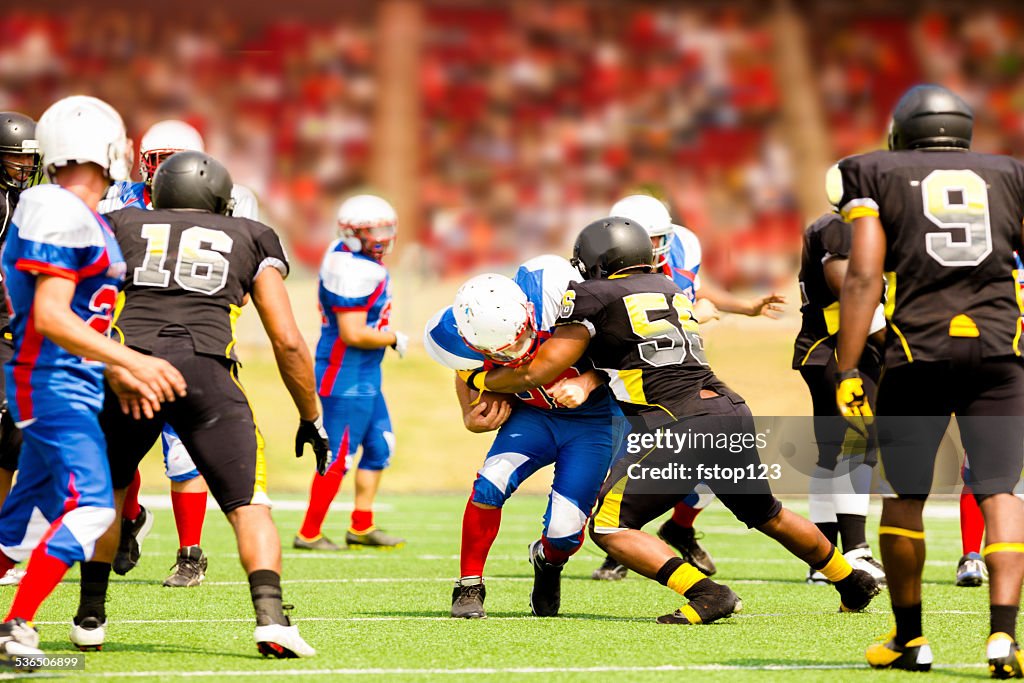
474, 378
853, 403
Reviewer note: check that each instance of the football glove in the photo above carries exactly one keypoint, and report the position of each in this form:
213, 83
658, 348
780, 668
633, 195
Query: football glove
852, 401
401, 344
313, 433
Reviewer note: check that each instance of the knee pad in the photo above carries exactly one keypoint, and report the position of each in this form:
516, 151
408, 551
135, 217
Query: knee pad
486, 493
564, 523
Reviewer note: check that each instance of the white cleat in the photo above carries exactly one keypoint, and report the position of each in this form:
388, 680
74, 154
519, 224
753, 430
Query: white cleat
88, 635
816, 578
282, 642
12, 577
860, 558
18, 638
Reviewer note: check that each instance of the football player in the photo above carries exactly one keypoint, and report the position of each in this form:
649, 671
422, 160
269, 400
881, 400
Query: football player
943, 223
841, 482
19, 170
497, 322
637, 327
355, 305
64, 269
188, 489
190, 267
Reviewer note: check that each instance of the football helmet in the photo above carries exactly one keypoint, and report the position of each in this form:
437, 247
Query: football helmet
653, 216
494, 317
610, 245
368, 224
192, 180
834, 186
19, 151
83, 129
931, 116
163, 139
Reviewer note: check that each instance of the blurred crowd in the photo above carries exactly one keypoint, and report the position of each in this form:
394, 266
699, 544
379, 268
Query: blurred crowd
535, 116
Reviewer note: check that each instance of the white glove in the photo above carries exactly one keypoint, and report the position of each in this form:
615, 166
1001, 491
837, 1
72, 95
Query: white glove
401, 344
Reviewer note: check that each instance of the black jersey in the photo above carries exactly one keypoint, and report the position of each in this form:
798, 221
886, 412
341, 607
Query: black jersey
644, 338
8, 202
190, 269
826, 238
952, 221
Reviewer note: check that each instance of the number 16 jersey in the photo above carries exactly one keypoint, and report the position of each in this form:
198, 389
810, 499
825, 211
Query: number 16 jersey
952, 221
190, 269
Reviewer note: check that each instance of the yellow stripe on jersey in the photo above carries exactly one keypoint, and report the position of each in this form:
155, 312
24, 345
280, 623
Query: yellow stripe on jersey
903, 341
831, 313
233, 316
853, 213
633, 381
890, 308
607, 516
811, 350
259, 487
118, 308
1020, 306
962, 326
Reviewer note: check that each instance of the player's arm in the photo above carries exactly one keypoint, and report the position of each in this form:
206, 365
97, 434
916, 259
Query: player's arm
574, 391
353, 331
769, 305
556, 355
861, 290
480, 416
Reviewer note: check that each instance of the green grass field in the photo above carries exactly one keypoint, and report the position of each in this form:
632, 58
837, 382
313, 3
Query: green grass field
383, 615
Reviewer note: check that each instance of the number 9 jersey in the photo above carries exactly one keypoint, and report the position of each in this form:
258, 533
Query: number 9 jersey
190, 269
952, 222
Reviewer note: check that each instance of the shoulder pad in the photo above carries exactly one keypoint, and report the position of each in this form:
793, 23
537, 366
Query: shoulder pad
350, 277
51, 215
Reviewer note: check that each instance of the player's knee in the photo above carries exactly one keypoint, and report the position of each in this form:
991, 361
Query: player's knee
487, 496
88, 523
565, 521
497, 479
761, 513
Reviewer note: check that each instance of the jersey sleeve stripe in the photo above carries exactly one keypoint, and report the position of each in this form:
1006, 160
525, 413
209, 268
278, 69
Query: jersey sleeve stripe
43, 268
859, 208
369, 302
275, 263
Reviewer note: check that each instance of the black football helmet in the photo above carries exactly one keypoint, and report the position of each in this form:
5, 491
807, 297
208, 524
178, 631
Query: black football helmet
610, 245
18, 137
192, 180
929, 116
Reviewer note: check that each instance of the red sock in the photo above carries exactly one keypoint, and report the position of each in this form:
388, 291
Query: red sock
189, 514
362, 520
321, 495
683, 515
131, 507
553, 555
41, 577
479, 529
972, 524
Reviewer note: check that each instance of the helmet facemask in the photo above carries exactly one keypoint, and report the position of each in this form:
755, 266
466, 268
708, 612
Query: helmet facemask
661, 244
151, 160
520, 350
376, 241
20, 170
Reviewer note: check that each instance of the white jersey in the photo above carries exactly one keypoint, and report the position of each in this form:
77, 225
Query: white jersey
126, 193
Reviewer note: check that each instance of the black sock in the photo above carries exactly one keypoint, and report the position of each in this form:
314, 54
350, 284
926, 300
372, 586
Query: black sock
93, 591
830, 530
1003, 619
265, 589
851, 530
668, 569
908, 623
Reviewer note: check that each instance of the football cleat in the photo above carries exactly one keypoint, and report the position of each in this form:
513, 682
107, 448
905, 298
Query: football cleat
372, 538
129, 549
816, 578
610, 570
468, 598
714, 602
685, 543
971, 571
281, 641
189, 570
18, 638
1004, 657
856, 591
88, 634
12, 577
860, 558
321, 542
914, 656
546, 596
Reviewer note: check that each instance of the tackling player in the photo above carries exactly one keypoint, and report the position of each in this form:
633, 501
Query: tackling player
944, 223
637, 327
355, 304
19, 170
498, 322
64, 269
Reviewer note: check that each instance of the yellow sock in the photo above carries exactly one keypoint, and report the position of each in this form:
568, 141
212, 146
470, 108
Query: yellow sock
684, 578
837, 568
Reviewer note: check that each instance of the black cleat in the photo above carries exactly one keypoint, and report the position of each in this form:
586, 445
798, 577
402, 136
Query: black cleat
610, 570
685, 543
189, 569
468, 598
1004, 657
372, 538
916, 655
971, 571
857, 590
321, 542
133, 533
546, 596
709, 601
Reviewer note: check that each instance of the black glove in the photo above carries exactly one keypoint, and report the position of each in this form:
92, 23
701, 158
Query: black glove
313, 433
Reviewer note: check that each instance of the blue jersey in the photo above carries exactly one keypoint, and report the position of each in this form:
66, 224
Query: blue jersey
350, 281
54, 233
684, 256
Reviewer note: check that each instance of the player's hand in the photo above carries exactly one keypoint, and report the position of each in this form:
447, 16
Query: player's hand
770, 306
486, 416
401, 344
570, 393
125, 387
155, 379
313, 433
853, 402
705, 311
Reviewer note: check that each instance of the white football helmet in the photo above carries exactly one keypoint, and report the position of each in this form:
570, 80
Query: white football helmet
652, 214
80, 129
163, 139
834, 186
494, 317
368, 224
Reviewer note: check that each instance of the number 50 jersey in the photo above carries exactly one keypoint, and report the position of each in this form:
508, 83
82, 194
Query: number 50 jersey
191, 269
952, 222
